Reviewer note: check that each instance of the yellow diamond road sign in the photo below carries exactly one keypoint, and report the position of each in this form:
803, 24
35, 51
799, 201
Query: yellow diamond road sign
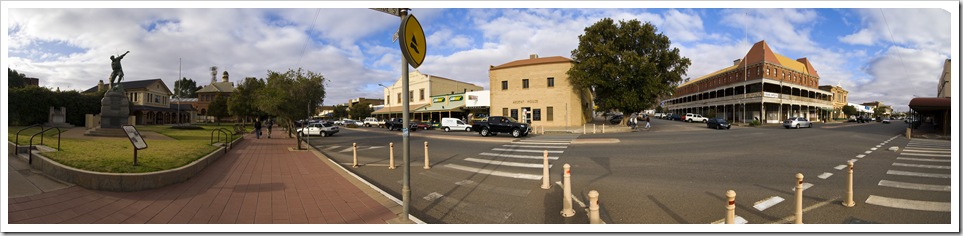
412, 41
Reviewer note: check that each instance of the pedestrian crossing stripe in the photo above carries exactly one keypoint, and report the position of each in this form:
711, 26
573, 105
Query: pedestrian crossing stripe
527, 146
923, 154
908, 204
804, 186
922, 159
928, 151
921, 166
543, 143
494, 172
825, 175
507, 163
362, 148
917, 174
524, 150
737, 220
914, 186
767, 203
518, 156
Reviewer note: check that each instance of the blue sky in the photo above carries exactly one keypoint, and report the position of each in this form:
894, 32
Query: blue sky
888, 54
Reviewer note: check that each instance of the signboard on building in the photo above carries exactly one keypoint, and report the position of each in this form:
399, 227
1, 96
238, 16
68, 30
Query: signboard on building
770, 95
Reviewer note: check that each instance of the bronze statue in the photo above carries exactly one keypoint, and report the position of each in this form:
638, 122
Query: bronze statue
118, 72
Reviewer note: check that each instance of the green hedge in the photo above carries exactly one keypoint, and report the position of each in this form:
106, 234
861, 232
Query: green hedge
31, 105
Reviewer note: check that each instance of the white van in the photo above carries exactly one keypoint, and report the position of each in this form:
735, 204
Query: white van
449, 124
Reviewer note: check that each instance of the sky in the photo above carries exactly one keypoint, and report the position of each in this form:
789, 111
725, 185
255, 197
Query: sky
888, 54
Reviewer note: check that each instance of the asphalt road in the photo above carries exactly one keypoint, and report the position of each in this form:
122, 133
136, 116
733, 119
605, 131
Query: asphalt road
673, 173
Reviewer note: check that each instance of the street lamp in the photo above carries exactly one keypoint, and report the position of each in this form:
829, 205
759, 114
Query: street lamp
387, 101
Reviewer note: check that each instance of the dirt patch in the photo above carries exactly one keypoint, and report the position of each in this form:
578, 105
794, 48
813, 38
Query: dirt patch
78, 133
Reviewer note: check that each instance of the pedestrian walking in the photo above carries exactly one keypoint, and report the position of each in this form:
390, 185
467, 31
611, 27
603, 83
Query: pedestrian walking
648, 123
270, 124
257, 128
633, 120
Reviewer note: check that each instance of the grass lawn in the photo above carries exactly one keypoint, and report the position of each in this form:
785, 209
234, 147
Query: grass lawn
117, 155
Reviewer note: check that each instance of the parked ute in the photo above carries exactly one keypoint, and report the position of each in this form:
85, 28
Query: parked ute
398, 123
449, 124
501, 124
690, 117
373, 122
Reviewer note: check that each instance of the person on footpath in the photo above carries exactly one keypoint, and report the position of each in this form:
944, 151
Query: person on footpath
270, 124
633, 121
257, 128
648, 123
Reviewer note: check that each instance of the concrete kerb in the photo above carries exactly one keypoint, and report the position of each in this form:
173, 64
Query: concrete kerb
360, 183
123, 182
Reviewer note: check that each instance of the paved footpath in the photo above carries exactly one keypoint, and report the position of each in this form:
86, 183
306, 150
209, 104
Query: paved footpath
259, 181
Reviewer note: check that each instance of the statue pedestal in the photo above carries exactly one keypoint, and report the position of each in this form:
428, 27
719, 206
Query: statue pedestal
114, 111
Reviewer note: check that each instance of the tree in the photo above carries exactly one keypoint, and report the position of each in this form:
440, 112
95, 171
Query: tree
360, 110
185, 88
242, 102
16, 79
626, 67
879, 111
849, 111
218, 108
291, 96
340, 111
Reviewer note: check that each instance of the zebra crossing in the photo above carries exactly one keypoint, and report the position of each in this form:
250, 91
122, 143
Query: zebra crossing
521, 159
923, 166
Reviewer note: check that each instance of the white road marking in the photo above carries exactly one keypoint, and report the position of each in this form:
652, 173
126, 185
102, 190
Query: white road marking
332, 147
768, 202
840, 167
804, 186
928, 151
908, 204
874, 149
494, 172
737, 220
347, 149
544, 141
922, 159
914, 186
523, 150
926, 155
861, 155
432, 196
527, 146
880, 145
917, 174
518, 156
868, 152
825, 175
507, 163
793, 217
853, 161
541, 143
921, 166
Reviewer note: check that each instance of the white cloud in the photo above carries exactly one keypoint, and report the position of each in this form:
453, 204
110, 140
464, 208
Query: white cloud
924, 28
863, 37
899, 74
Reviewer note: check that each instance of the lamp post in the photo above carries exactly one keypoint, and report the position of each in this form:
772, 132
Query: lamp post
389, 97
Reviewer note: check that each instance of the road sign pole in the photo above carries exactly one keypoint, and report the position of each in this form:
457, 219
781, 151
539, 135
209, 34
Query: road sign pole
406, 144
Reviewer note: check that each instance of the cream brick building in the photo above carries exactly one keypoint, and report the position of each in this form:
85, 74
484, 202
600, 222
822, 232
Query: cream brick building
840, 99
420, 89
541, 86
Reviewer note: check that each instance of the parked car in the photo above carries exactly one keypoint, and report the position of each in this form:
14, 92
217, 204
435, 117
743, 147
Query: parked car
422, 125
886, 120
796, 122
318, 129
718, 123
397, 123
675, 117
501, 124
691, 117
449, 124
351, 123
373, 122
615, 119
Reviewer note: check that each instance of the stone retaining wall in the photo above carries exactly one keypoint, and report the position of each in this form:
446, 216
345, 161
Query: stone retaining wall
124, 182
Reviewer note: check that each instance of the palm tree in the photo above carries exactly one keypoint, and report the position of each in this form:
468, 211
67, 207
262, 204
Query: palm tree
213, 74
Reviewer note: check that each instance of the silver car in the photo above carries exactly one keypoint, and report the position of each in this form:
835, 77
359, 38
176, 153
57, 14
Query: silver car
796, 122
319, 129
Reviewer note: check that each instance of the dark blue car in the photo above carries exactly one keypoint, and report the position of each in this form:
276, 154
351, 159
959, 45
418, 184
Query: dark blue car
718, 123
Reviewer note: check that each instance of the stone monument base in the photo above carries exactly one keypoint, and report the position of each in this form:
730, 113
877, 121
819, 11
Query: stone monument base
58, 125
106, 132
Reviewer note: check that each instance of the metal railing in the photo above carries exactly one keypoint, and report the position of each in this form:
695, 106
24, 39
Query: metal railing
16, 141
227, 133
30, 154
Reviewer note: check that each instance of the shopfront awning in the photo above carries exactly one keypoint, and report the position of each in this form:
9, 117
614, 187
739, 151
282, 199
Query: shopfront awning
440, 108
397, 109
930, 104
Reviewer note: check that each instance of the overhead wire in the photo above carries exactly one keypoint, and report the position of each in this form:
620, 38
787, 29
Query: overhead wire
308, 38
892, 39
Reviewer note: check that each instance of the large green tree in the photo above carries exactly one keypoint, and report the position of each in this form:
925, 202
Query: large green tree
16, 79
340, 112
218, 108
185, 88
291, 96
626, 66
242, 102
360, 111
850, 111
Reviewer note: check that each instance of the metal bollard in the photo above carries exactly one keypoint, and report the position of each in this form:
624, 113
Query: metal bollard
354, 160
426, 156
567, 210
593, 214
731, 207
583, 128
545, 184
799, 198
603, 128
849, 188
391, 156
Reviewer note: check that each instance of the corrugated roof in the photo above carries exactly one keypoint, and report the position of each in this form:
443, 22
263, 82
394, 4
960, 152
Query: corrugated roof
760, 52
130, 84
222, 87
536, 61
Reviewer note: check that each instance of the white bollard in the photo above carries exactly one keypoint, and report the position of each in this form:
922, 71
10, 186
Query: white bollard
799, 198
594, 126
426, 156
391, 156
603, 128
583, 128
593, 214
354, 160
567, 210
849, 188
731, 207
545, 179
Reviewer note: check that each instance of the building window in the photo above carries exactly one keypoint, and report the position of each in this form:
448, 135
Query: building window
549, 112
504, 84
551, 82
505, 111
411, 94
537, 114
421, 94
524, 83
514, 114
399, 98
388, 99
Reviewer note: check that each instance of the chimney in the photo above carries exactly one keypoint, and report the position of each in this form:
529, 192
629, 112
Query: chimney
100, 86
736, 62
533, 56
